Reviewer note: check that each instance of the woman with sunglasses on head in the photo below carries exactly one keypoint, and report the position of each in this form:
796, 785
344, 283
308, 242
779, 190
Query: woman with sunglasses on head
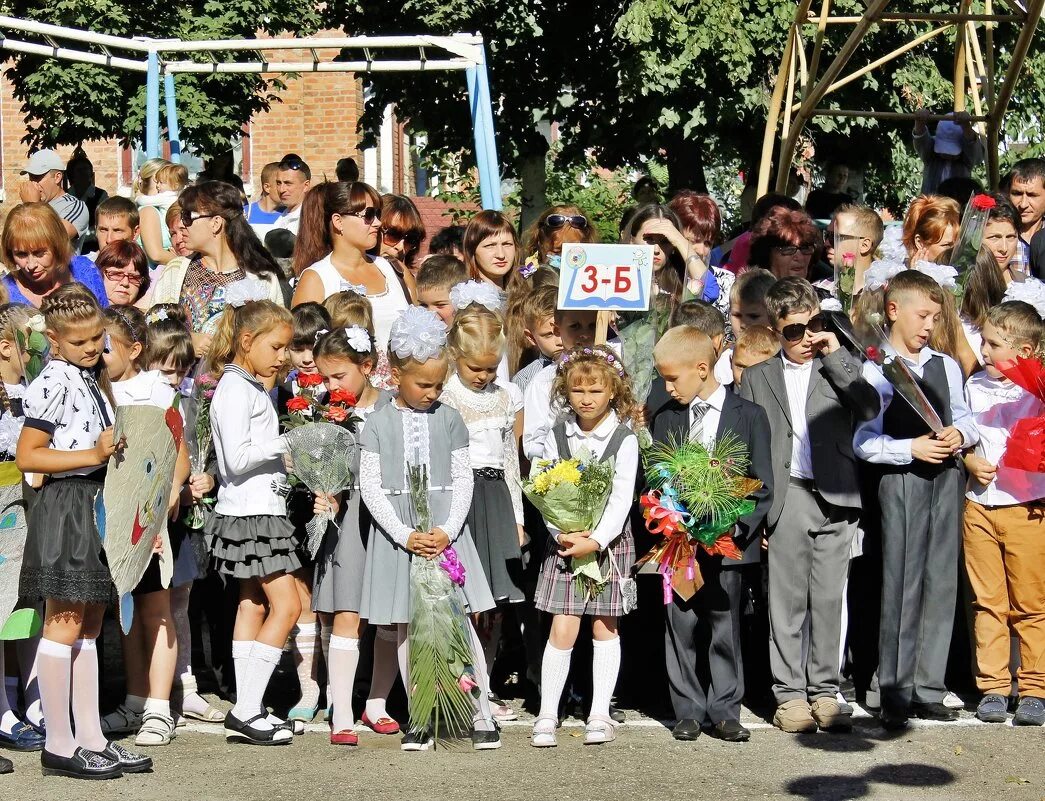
125, 272
557, 226
224, 250
340, 227
786, 243
402, 232
39, 259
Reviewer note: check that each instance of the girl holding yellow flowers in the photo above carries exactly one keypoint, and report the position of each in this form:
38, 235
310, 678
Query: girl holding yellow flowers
592, 383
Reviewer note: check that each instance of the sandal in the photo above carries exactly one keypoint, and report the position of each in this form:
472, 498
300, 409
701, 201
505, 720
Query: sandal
599, 730
544, 733
210, 715
121, 720
501, 711
156, 729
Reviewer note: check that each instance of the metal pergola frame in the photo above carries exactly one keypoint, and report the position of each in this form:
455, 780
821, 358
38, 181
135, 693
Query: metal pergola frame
163, 59
800, 87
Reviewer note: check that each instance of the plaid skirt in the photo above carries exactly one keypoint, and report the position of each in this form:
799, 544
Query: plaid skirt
559, 594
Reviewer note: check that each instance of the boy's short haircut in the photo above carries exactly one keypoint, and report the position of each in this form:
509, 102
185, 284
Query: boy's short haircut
560, 314
441, 272
539, 305
269, 172
867, 220
176, 176
750, 287
309, 319
758, 341
116, 206
447, 240
349, 308
684, 344
909, 283
1020, 322
700, 315
789, 296
544, 276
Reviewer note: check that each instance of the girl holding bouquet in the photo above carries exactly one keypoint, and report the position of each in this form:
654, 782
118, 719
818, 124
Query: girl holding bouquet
592, 383
418, 430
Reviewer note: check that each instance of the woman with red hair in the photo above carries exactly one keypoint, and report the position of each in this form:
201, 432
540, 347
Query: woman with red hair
786, 243
930, 227
702, 226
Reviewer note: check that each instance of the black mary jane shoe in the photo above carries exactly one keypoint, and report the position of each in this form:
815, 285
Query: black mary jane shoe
83, 764
129, 761
243, 731
295, 727
686, 730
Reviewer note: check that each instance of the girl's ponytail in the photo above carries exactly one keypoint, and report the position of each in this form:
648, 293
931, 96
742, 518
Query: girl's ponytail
222, 348
255, 317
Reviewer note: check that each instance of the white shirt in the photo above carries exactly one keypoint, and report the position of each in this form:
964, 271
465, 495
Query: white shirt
65, 402
247, 445
541, 412
712, 415
148, 388
626, 465
997, 405
974, 337
871, 445
724, 368
796, 381
289, 220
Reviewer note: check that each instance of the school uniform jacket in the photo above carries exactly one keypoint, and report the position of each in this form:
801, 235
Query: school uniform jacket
747, 421
838, 397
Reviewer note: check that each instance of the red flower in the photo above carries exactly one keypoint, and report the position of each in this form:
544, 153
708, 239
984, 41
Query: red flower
983, 202
343, 397
336, 414
309, 379
873, 353
297, 404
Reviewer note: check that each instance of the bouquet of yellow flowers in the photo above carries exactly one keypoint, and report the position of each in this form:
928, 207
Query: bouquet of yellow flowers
571, 495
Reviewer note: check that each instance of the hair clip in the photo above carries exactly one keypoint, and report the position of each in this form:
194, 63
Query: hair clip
466, 293
154, 316
358, 339
319, 335
249, 290
126, 324
417, 334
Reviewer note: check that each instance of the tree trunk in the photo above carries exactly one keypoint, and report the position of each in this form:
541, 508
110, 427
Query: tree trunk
533, 179
685, 159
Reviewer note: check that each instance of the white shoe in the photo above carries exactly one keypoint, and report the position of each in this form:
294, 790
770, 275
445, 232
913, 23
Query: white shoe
544, 733
156, 729
599, 730
952, 701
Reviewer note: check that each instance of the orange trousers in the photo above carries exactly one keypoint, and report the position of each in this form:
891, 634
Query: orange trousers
1005, 560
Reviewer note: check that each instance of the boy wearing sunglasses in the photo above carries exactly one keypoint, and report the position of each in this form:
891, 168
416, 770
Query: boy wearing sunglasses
813, 393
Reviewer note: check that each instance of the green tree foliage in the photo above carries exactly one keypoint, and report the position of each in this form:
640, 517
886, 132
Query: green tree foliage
68, 103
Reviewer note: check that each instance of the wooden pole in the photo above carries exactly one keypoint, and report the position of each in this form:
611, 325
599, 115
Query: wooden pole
960, 46
953, 18
602, 327
773, 118
818, 45
884, 115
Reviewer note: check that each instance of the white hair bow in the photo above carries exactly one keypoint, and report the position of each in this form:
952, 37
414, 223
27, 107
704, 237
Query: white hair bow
466, 293
417, 334
249, 290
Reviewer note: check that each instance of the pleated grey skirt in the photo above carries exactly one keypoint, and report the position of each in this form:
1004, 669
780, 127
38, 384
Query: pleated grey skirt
252, 547
491, 522
63, 557
340, 563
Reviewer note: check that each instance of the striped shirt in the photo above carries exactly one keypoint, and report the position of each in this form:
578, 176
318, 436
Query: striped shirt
73, 210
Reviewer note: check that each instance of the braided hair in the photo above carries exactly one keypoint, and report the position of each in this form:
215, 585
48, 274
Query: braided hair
14, 319
73, 304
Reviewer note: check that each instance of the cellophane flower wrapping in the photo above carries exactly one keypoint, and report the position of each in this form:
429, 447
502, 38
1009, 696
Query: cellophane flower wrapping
638, 333
322, 454
1025, 449
571, 495
845, 270
970, 237
442, 673
199, 439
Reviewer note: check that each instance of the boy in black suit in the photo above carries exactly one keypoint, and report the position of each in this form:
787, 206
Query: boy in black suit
703, 644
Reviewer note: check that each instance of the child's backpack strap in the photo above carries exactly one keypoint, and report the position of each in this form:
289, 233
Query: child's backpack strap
562, 442
621, 433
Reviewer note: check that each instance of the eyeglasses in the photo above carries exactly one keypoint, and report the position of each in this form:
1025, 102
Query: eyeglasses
393, 236
367, 215
189, 217
557, 221
796, 331
119, 277
791, 250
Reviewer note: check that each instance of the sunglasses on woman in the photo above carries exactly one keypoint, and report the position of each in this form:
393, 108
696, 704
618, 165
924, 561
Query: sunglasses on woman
367, 215
791, 250
189, 217
392, 236
796, 331
557, 221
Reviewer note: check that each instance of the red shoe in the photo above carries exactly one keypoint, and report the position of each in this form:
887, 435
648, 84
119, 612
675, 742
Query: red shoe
381, 725
346, 737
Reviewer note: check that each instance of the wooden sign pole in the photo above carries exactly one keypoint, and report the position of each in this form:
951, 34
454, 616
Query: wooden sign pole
602, 327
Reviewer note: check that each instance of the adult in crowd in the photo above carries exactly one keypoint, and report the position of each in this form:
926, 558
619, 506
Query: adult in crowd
39, 256
448, 241
125, 272
492, 252
930, 227
679, 273
787, 243
402, 232
347, 171
80, 174
736, 255
954, 150
263, 213
702, 226
1001, 236
45, 171
155, 189
293, 180
823, 201
224, 250
222, 167
557, 226
1026, 190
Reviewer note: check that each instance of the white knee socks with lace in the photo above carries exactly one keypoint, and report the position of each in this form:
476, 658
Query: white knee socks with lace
344, 659
605, 668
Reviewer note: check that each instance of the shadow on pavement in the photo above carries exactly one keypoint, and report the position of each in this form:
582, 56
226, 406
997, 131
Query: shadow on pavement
835, 787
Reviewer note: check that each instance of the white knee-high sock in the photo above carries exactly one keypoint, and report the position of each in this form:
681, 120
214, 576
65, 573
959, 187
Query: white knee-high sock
54, 661
86, 716
555, 668
605, 667
304, 645
483, 718
27, 650
384, 673
324, 640
344, 659
257, 673
240, 656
